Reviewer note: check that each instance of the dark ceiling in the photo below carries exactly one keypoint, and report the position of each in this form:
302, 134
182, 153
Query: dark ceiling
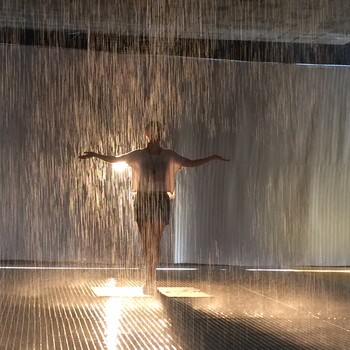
288, 31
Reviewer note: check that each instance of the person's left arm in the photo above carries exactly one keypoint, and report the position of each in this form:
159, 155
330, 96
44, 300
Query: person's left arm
191, 163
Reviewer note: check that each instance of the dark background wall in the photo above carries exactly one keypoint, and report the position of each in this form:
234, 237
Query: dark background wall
280, 201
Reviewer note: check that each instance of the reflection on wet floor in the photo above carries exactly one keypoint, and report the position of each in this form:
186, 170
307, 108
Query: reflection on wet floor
58, 309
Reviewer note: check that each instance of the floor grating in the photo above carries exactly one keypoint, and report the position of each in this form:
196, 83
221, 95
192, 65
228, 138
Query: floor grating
58, 309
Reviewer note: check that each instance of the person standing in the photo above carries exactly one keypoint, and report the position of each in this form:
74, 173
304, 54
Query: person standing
153, 179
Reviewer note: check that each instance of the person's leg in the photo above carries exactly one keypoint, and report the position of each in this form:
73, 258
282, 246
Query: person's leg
151, 234
152, 215
143, 228
155, 237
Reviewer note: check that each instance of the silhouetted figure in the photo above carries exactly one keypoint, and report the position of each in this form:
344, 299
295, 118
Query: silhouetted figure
153, 180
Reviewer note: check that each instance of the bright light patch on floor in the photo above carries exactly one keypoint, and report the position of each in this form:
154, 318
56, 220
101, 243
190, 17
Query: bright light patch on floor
113, 314
304, 270
183, 292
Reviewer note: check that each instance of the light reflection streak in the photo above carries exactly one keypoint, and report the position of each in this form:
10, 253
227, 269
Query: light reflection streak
64, 268
91, 268
177, 269
113, 313
302, 270
322, 65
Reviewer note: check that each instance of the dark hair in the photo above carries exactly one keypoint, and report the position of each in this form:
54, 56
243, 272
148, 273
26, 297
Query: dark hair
153, 125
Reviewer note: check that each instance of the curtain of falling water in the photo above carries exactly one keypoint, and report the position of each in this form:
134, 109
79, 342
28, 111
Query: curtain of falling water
62, 102
281, 200
279, 203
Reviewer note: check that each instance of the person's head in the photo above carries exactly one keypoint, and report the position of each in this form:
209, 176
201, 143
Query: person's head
154, 131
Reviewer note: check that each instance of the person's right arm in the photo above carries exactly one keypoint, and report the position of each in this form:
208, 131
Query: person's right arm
108, 159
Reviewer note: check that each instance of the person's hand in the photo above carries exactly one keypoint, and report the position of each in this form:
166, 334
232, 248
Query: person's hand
87, 155
217, 157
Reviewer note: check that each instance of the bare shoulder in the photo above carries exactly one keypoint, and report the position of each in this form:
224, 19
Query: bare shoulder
133, 156
168, 152
137, 151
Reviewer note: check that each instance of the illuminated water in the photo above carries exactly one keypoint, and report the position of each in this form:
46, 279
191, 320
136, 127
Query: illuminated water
282, 200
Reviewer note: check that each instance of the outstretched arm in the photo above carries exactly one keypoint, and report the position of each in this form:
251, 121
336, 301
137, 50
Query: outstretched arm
108, 159
197, 162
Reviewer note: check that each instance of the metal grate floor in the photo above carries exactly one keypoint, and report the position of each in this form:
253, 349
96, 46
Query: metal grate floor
57, 309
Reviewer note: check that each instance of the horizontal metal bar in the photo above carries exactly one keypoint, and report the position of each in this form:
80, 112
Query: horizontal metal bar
259, 51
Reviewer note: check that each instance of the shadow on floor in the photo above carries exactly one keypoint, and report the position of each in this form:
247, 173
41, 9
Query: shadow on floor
203, 330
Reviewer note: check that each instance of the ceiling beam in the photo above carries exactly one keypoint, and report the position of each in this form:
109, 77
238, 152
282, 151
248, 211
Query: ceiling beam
259, 51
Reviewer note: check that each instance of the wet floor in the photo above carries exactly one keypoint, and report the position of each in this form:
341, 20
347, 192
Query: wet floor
58, 309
